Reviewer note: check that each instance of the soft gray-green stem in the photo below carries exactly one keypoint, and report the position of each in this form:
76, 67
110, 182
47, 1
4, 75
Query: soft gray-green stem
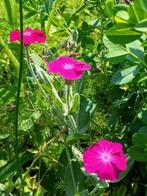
70, 165
69, 99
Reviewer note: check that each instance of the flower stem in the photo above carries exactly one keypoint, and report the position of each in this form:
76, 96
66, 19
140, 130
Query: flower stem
69, 97
19, 171
72, 122
70, 164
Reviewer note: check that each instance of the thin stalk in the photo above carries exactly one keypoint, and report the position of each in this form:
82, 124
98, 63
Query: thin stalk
39, 172
94, 191
70, 164
132, 6
31, 166
72, 122
69, 97
33, 73
19, 171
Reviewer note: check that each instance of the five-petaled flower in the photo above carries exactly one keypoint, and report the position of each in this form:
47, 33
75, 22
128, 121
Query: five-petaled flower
106, 159
30, 36
68, 67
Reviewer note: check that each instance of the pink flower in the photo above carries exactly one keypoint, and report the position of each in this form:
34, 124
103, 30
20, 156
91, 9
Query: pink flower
30, 36
106, 159
68, 68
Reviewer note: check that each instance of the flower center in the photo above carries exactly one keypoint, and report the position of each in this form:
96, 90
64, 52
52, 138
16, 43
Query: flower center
68, 66
27, 33
106, 157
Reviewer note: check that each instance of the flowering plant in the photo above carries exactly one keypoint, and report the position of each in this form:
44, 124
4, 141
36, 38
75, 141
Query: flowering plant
74, 112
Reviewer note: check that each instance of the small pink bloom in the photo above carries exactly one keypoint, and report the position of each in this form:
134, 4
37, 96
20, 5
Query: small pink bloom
68, 67
30, 36
106, 159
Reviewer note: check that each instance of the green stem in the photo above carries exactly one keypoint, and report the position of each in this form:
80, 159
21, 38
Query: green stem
73, 123
33, 73
132, 6
18, 97
55, 93
136, 57
31, 166
70, 164
69, 97
94, 191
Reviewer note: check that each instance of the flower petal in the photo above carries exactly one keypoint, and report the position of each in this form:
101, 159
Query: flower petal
107, 145
80, 66
14, 36
90, 161
39, 36
107, 171
120, 161
70, 74
30, 36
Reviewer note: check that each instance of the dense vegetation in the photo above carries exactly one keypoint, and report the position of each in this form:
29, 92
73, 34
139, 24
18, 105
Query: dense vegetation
109, 101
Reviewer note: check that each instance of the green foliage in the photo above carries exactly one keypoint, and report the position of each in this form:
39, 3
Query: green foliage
121, 35
79, 177
76, 103
125, 76
142, 115
115, 53
87, 108
139, 149
141, 26
7, 170
12, 12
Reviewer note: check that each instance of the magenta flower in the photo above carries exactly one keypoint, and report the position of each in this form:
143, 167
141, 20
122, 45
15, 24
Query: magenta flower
30, 36
68, 68
106, 159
